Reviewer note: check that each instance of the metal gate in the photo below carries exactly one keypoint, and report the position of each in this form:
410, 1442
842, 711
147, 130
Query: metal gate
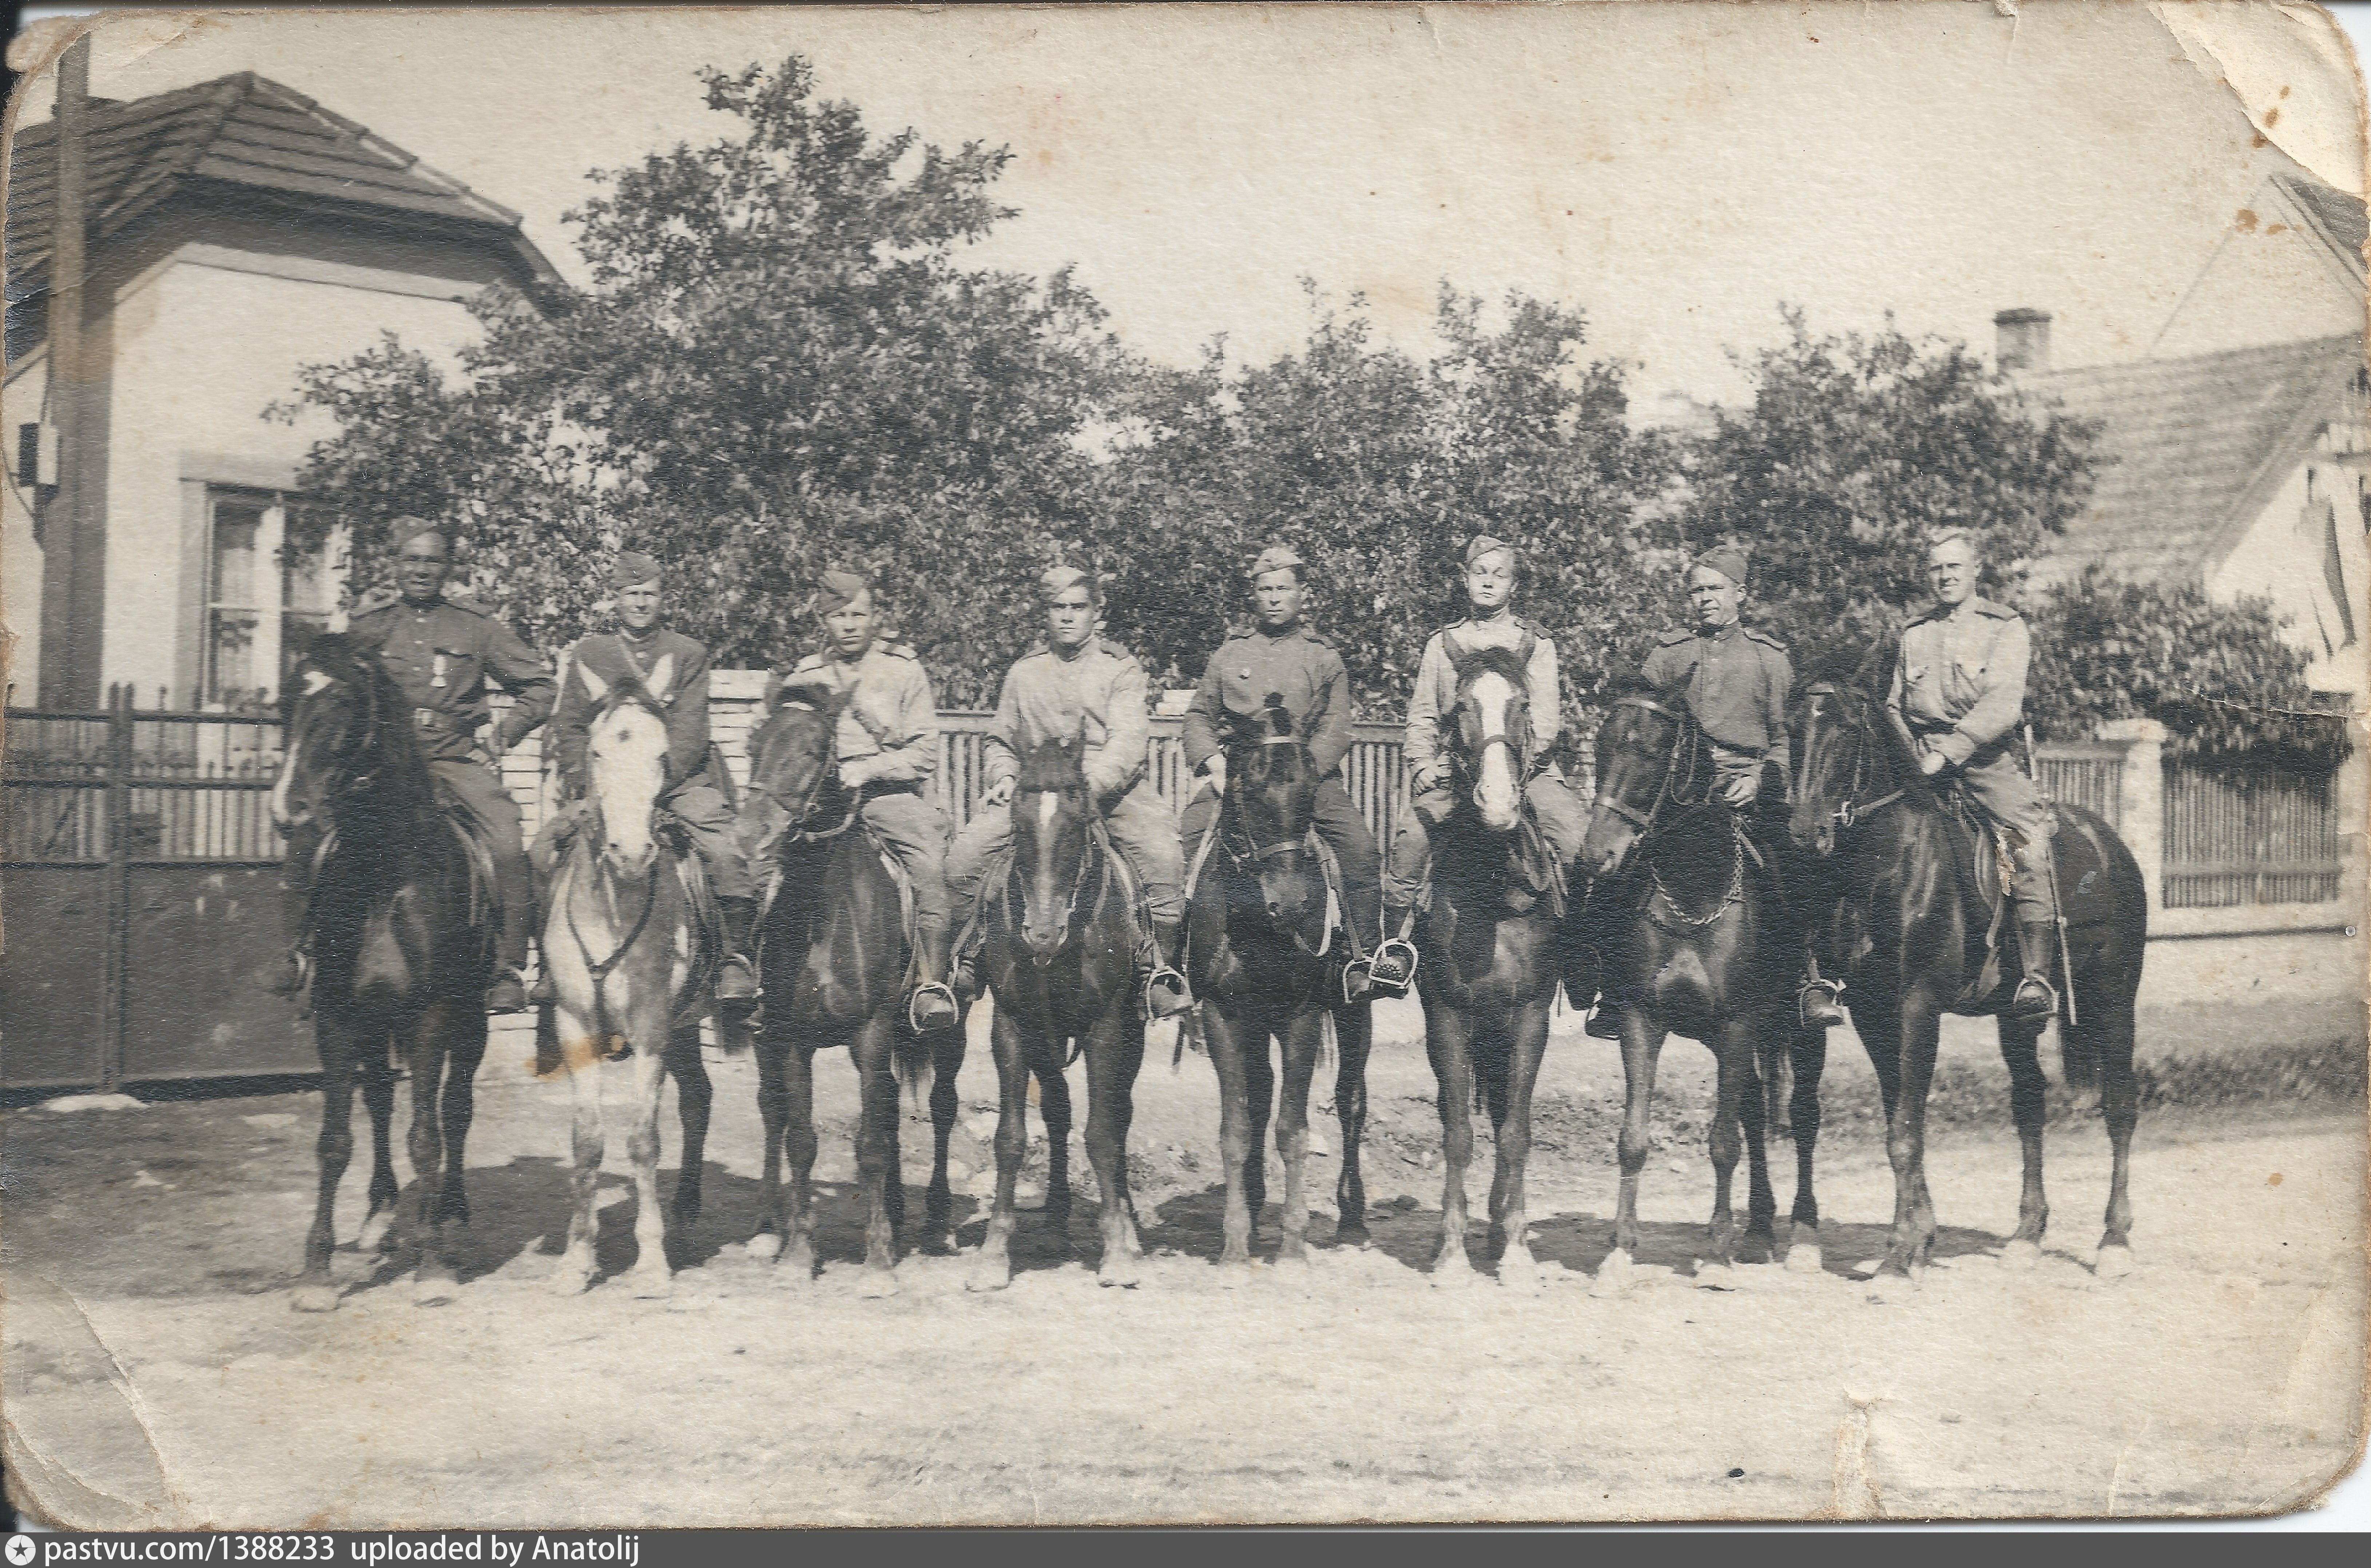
140, 889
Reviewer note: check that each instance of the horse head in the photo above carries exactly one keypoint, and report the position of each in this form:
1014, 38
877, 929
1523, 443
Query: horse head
1050, 813
1644, 750
1272, 796
794, 759
625, 757
1843, 761
342, 707
1491, 730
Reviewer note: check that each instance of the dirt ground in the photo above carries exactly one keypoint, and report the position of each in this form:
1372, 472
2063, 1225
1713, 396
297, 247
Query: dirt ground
154, 1374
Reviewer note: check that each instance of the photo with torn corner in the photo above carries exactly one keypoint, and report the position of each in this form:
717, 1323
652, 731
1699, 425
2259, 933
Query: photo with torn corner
961, 765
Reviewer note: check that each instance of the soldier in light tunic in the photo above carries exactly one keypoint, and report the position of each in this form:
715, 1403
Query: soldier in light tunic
888, 747
1492, 572
1957, 690
441, 653
1279, 653
1077, 685
1735, 679
644, 651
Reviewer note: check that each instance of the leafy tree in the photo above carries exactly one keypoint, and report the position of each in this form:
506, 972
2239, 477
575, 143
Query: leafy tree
779, 365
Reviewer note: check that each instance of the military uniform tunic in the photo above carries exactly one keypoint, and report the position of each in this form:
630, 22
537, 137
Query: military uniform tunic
1958, 687
1305, 670
1735, 681
673, 669
887, 744
1560, 815
1095, 692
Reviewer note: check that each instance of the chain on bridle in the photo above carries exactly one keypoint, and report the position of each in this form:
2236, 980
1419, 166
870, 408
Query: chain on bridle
1678, 785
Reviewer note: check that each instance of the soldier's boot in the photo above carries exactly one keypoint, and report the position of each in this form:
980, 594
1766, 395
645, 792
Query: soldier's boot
2036, 945
1393, 969
737, 972
1165, 992
963, 957
1605, 1023
1364, 917
508, 992
932, 1003
1815, 1002
289, 971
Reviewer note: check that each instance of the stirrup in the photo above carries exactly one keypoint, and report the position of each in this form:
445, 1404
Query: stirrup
914, 1005
729, 962
2030, 1014
1831, 989
545, 991
1391, 970
1164, 978
1605, 1023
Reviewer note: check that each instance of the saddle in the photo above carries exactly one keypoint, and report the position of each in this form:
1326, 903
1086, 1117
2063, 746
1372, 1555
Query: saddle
475, 850
1980, 850
1531, 872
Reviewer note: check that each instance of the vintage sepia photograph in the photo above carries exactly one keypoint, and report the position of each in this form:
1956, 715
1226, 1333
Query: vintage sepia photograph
1183, 764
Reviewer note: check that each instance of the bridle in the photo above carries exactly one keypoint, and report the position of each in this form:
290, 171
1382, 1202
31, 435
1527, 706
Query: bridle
1243, 854
358, 782
827, 777
1679, 770
1852, 810
1090, 856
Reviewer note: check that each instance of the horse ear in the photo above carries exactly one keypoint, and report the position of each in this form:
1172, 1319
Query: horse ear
661, 678
594, 685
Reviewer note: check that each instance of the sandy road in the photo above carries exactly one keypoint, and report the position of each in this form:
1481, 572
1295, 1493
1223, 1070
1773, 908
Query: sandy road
154, 1374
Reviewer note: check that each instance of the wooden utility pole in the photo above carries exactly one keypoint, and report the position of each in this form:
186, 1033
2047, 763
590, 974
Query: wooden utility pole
74, 531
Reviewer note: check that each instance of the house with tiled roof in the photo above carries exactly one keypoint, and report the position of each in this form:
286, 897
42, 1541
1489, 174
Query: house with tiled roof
235, 231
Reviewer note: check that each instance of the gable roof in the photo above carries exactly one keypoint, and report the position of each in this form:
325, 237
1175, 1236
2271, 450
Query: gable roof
2335, 218
2194, 448
254, 137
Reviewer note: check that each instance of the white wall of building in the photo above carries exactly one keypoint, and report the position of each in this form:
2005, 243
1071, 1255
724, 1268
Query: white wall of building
20, 554
2271, 280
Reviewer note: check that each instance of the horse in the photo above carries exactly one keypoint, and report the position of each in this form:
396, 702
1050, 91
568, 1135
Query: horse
630, 941
1693, 942
400, 927
1259, 931
1490, 961
832, 958
1060, 931
1909, 937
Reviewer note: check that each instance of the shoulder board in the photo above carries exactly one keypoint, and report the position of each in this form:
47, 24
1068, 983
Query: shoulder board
1533, 627
378, 599
1037, 649
811, 662
471, 606
1114, 649
1673, 638
1931, 613
1998, 611
1319, 637
900, 650
1764, 637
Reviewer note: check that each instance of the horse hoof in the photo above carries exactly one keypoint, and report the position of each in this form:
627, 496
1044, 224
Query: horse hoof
2114, 1263
1352, 1236
877, 1284
990, 1277
433, 1292
312, 1298
1519, 1273
1120, 1272
1458, 1275
1805, 1257
1888, 1289
765, 1247
1612, 1275
1715, 1277
572, 1280
377, 1234
2020, 1254
650, 1285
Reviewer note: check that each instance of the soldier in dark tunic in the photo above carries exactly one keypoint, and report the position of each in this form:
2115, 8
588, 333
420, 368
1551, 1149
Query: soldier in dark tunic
1279, 653
441, 653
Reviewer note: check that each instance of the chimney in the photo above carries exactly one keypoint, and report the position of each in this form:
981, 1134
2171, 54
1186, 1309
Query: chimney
2023, 339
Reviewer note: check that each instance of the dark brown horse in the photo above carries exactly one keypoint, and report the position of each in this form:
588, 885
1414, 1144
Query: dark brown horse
1490, 970
1909, 939
1060, 933
1695, 940
1260, 936
400, 929
832, 959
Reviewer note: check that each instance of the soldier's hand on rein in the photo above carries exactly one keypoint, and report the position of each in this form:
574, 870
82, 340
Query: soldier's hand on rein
998, 793
1930, 763
1215, 771
1740, 791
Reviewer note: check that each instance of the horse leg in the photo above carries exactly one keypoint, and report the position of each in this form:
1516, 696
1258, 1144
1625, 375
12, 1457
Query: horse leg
1054, 1108
1527, 1040
695, 1094
649, 1279
1353, 1037
378, 1099
1299, 1038
1491, 1054
431, 1275
938, 1205
1753, 1116
1227, 1028
1808, 1049
2108, 1030
774, 1110
876, 1152
1733, 1055
1115, 1055
2028, 1089
457, 1107
799, 1148
1642, 1043
993, 1271
1259, 1108
315, 1292
584, 1146
1917, 1030
1448, 1041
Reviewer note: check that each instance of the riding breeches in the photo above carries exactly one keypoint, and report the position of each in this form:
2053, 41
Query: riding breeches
1344, 828
2009, 797
914, 831
1554, 806
496, 816
1141, 824
707, 821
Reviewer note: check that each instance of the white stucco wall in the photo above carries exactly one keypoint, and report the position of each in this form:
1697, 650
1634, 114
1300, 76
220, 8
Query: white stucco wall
2268, 282
20, 556
201, 351
2282, 557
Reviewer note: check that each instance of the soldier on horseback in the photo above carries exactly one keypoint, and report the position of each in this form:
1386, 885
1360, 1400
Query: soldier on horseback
1957, 693
672, 669
1282, 654
888, 747
1735, 680
440, 652
1492, 572
1079, 683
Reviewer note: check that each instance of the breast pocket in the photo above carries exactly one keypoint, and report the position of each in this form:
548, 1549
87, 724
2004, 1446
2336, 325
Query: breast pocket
456, 668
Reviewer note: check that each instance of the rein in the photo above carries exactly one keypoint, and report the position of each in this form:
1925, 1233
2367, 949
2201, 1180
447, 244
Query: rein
1850, 811
601, 971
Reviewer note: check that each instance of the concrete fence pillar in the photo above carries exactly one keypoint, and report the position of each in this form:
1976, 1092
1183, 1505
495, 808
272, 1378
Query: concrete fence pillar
2141, 799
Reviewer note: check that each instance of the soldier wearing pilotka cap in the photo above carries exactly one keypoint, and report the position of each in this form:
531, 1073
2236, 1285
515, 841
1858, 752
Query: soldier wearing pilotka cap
672, 669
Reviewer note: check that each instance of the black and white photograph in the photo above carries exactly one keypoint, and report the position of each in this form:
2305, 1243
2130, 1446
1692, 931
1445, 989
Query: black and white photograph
1183, 764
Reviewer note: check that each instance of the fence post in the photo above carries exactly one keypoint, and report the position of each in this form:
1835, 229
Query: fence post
2141, 799
115, 963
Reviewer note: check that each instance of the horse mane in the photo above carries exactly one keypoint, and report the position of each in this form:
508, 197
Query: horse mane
353, 664
1053, 764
